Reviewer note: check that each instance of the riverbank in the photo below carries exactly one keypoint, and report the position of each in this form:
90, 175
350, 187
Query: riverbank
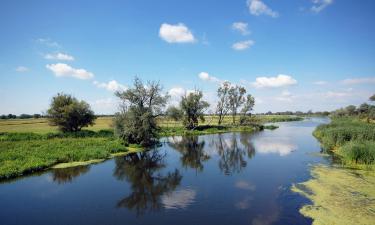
343, 193
350, 139
25, 153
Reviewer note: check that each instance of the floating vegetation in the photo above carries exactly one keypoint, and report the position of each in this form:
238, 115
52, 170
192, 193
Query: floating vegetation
339, 196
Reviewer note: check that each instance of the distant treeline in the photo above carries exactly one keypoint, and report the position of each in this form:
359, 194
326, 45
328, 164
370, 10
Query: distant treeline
297, 113
34, 116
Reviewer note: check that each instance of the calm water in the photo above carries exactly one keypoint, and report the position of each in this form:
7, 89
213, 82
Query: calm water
233, 178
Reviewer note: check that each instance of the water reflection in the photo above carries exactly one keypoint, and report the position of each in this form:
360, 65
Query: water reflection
67, 175
143, 172
279, 145
233, 152
179, 199
192, 150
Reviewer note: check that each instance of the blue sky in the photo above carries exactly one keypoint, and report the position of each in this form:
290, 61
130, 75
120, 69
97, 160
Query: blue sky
290, 54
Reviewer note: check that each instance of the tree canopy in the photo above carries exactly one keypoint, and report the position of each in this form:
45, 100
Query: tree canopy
69, 114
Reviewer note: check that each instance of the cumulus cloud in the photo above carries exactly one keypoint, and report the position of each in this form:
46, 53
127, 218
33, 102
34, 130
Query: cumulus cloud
59, 56
64, 70
22, 69
241, 27
242, 45
178, 33
319, 5
257, 8
362, 80
280, 80
207, 77
176, 92
110, 86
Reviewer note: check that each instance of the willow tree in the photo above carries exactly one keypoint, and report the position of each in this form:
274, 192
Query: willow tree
193, 108
140, 106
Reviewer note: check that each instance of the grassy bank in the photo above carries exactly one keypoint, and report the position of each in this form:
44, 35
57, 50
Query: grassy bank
23, 153
43, 146
351, 139
339, 196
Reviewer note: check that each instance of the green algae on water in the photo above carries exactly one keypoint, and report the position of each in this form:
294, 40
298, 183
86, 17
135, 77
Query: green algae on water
339, 196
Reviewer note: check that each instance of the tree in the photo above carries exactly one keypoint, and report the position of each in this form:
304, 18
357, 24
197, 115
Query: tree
69, 114
372, 98
350, 110
193, 108
222, 107
236, 99
140, 106
248, 105
174, 113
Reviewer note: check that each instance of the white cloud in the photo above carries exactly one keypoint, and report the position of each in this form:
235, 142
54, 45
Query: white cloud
319, 5
257, 8
280, 80
242, 45
363, 80
110, 86
48, 42
64, 70
241, 27
59, 56
320, 82
207, 77
177, 92
22, 69
178, 33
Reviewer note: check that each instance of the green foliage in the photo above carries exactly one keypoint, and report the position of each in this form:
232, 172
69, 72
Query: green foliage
351, 138
236, 99
222, 107
193, 108
361, 152
25, 156
174, 113
69, 114
136, 123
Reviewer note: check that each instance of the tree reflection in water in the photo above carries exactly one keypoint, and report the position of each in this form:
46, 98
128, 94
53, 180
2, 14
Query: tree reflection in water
65, 175
192, 151
142, 171
232, 153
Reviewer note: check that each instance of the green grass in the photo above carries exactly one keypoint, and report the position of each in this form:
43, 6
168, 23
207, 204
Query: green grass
351, 139
31, 145
41, 126
23, 153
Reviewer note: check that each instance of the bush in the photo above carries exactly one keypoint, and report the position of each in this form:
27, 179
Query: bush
359, 152
69, 114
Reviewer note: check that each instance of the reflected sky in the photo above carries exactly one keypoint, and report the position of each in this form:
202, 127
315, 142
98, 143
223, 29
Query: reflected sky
279, 145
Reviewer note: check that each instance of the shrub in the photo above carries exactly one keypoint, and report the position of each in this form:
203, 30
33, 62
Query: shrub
69, 114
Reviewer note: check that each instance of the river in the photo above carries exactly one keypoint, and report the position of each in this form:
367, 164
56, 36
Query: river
231, 178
